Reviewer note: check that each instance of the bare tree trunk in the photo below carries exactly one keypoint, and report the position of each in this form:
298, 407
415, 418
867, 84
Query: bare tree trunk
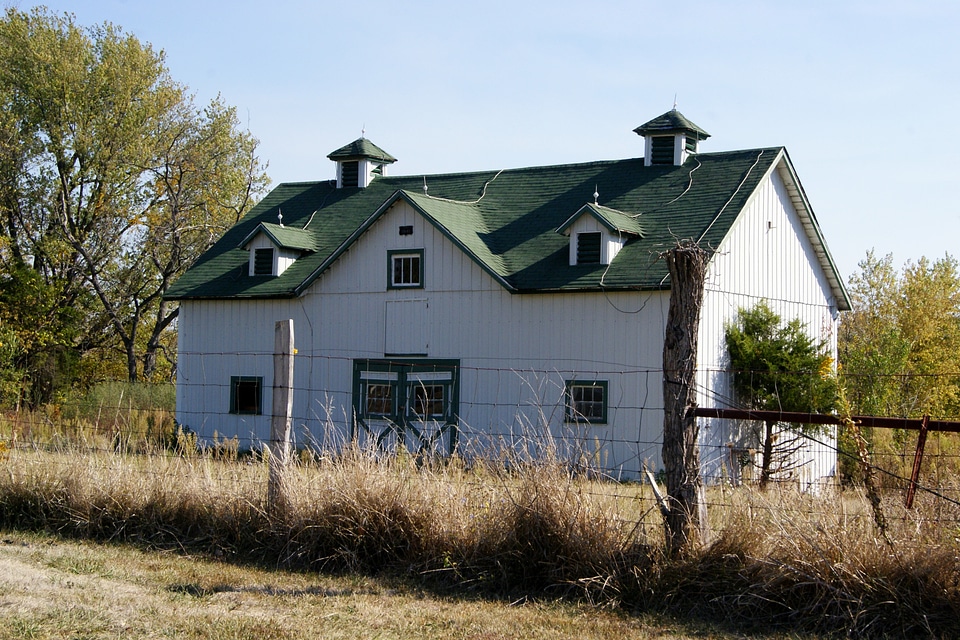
681, 451
766, 459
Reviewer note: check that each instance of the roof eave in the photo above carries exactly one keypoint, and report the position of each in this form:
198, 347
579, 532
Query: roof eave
808, 219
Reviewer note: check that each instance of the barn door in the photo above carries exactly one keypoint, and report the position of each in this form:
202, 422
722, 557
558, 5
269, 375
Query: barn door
409, 404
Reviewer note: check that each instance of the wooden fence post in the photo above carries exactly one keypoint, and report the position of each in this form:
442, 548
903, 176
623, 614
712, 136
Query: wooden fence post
686, 519
282, 411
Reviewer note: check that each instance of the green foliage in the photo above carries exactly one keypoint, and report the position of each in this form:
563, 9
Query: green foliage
778, 366
112, 181
900, 345
36, 333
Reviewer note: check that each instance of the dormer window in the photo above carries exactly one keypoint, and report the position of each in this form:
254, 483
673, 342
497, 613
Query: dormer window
597, 233
273, 248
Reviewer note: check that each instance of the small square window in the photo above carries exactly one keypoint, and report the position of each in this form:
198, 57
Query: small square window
246, 394
428, 400
378, 399
406, 269
586, 402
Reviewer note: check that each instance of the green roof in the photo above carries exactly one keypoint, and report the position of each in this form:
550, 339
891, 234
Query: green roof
283, 237
361, 148
671, 122
505, 221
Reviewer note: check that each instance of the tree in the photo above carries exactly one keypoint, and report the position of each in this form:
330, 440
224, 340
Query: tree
687, 515
779, 367
900, 345
112, 181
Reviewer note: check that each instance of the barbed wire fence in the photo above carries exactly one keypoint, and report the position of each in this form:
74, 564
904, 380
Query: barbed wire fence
611, 459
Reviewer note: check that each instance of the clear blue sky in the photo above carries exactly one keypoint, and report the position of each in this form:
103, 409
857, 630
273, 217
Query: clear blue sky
864, 94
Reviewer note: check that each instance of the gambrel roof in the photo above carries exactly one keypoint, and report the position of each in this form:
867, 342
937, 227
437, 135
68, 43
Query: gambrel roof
508, 221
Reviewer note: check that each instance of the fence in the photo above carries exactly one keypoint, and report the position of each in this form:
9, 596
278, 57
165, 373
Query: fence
534, 418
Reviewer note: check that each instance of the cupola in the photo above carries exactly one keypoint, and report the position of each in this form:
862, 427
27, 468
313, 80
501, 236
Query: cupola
359, 162
669, 139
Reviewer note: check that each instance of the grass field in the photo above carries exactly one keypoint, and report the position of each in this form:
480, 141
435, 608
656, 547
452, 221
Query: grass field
366, 546
55, 588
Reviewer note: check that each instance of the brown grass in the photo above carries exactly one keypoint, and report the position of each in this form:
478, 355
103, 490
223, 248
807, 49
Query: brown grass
780, 560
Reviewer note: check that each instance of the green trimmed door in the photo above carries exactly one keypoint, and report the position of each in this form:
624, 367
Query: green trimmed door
406, 403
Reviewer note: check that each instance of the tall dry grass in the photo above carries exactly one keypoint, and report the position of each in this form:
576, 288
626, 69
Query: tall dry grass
780, 559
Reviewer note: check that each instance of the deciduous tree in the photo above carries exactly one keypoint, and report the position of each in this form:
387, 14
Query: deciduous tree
112, 180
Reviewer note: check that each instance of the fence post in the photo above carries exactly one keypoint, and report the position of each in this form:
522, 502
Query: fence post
917, 459
687, 517
282, 411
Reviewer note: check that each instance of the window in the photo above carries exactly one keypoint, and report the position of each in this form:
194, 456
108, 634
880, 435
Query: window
404, 391
427, 401
586, 401
588, 248
406, 269
378, 399
263, 262
246, 394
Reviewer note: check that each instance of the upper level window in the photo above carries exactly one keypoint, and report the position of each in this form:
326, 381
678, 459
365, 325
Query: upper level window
263, 262
588, 248
406, 269
586, 401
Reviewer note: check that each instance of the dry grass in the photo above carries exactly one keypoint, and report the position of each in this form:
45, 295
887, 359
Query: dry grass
780, 560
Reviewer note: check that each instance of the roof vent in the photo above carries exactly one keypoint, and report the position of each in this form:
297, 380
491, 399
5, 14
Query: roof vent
670, 139
359, 162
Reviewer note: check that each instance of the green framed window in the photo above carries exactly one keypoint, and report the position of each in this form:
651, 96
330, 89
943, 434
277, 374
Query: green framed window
586, 401
406, 391
246, 395
405, 269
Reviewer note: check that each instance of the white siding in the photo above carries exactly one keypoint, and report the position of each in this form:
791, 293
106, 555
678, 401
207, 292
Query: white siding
515, 351
765, 256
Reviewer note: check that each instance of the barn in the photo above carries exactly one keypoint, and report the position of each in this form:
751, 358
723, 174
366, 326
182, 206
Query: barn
513, 309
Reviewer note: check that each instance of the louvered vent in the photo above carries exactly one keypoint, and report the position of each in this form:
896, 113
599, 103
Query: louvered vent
661, 150
588, 248
350, 174
263, 262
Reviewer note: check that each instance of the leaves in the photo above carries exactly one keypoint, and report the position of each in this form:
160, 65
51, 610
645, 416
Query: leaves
778, 366
900, 346
112, 181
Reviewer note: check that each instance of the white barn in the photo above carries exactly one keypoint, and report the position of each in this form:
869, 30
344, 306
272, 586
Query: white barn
513, 308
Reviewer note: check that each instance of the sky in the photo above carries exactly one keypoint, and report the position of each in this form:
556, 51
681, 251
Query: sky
864, 94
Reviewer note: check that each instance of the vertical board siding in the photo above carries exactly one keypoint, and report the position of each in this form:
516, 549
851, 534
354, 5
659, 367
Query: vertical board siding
766, 256
515, 351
